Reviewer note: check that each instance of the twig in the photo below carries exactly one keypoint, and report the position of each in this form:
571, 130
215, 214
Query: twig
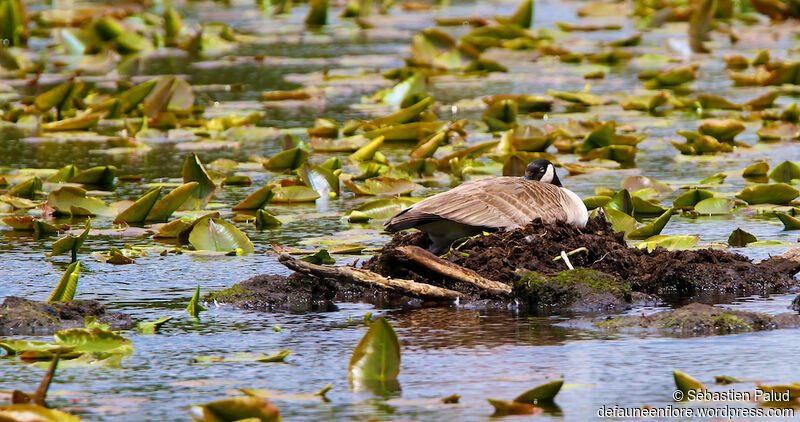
566, 260
370, 279
41, 391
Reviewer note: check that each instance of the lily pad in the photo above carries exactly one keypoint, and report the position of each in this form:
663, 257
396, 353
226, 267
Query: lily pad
714, 206
789, 222
293, 194
214, 234
686, 383
776, 193
542, 393
163, 209
236, 409
256, 200
785, 172
651, 229
669, 242
194, 171
138, 211
377, 356
194, 308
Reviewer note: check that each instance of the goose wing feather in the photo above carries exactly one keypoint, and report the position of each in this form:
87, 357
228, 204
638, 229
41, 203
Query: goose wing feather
496, 202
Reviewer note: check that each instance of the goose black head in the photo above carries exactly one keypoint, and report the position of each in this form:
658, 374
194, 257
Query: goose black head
543, 171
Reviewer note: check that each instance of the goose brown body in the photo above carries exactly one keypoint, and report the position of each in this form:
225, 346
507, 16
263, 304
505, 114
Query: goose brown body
490, 203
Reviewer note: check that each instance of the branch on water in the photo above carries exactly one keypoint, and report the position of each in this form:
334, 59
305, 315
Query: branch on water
370, 279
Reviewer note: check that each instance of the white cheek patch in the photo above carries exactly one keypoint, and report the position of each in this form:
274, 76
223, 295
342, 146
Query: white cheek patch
548, 174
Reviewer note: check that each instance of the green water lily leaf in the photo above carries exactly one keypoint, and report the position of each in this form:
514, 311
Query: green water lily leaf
651, 229
32, 412
503, 407
236, 409
414, 83
620, 221
27, 188
194, 171
58, 96
94, 340
776, 193
785, 172
366, 152
321, 257
593, 202
405, 115
63, 174
256, 200
65, 289
317, 13
669, 242
71, 243
600, 136
245, 357
67, 197
643, 207
138, 211
42, 228
739, 238
102, 176
621, 201
522, 17
714, 206
194, 308
691, 197
542, 393
789, 222
382, 186
686, 383
132, 97
501, 115
715, 102
724, 130
163, 209
214, 234
150, 327
756, 170
583, 98
19, 347
265, 220
287, 160
377, 356
672, 77
382, 209
80, 122
292, 194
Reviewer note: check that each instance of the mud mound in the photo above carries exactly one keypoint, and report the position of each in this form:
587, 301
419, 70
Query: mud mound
660, 272
22, 316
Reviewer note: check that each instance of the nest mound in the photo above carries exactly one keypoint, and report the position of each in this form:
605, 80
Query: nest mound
684, 272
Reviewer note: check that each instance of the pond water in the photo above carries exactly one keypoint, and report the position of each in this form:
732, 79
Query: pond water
445, 350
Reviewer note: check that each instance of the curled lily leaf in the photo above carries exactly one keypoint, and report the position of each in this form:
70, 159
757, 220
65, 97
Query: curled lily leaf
65, 289
739, 238
194, 308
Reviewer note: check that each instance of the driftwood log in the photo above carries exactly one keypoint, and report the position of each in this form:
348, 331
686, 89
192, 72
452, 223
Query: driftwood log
344, 274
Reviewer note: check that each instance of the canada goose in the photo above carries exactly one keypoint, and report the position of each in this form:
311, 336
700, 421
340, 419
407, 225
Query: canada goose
493, 203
